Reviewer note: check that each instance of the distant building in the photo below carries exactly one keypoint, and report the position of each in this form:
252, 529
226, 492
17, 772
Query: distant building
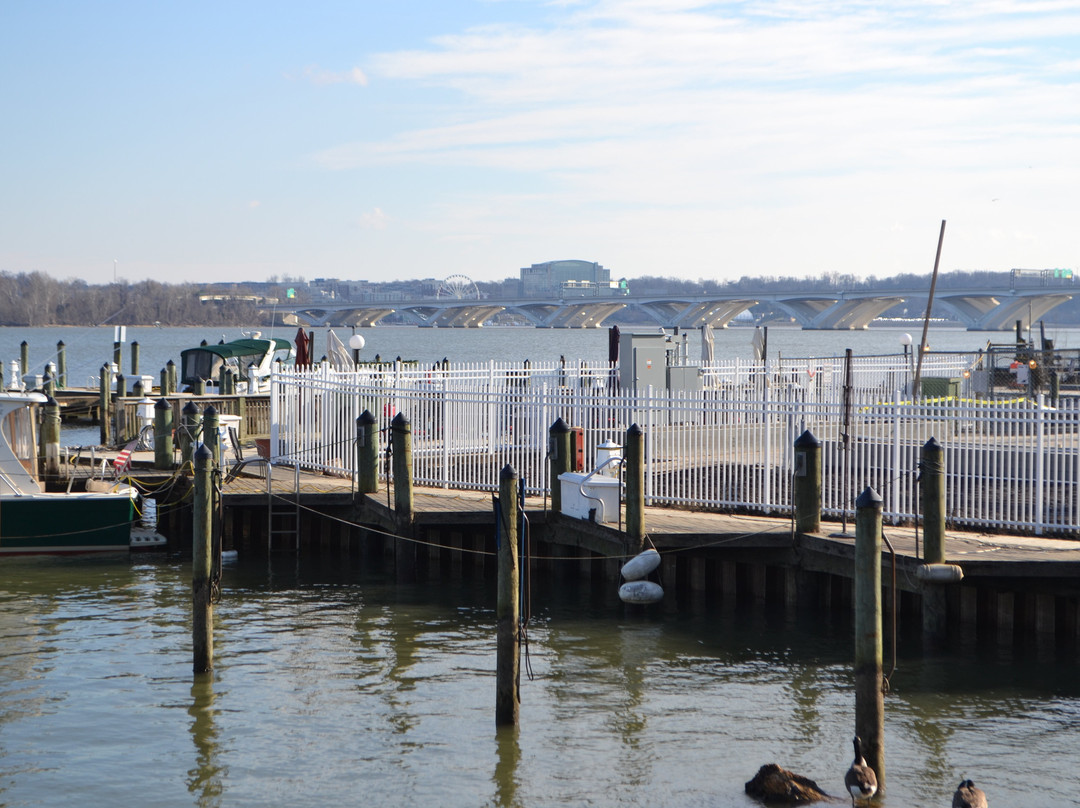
569, 279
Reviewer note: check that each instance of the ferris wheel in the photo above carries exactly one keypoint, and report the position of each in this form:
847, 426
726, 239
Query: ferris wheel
459, 287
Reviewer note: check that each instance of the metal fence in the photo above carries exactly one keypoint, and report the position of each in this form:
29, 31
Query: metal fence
1010, 464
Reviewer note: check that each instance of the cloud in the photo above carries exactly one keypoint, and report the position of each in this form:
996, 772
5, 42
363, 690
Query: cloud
374, 220
318, 76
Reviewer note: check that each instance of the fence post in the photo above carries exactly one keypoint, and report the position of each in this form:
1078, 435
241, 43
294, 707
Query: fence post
508, 651
163, 435
202, 624
869, 701
807, 483
1041, 414
634, 460
559, 459
367, 454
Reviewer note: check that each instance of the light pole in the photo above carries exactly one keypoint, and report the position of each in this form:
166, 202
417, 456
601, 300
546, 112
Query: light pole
356, 342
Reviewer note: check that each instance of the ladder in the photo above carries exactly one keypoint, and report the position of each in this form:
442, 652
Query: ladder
283, 515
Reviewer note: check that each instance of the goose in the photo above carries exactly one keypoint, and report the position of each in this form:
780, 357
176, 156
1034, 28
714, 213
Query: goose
860, 779
968, 796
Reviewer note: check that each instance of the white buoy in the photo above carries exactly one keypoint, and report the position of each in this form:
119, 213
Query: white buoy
939, 573
641, 592
641, 565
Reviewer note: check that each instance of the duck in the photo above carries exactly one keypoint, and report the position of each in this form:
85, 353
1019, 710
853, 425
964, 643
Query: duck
968, 795
860, 779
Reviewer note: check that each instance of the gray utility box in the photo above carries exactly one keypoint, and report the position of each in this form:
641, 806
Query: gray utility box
685, 378
642, 361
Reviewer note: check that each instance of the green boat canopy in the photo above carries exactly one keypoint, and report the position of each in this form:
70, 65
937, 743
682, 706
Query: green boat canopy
206, 361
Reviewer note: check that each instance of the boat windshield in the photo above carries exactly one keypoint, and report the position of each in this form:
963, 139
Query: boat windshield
18, 431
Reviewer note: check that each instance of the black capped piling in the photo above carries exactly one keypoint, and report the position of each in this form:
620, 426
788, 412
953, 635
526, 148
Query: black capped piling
163, 435
367, 454
508, 652
105, 396
634, 465
807, 483
50, 440
188, 432
869, 699
202, 622
211, 421
558, 459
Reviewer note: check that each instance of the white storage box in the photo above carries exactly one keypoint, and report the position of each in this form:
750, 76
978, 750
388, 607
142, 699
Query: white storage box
578, 504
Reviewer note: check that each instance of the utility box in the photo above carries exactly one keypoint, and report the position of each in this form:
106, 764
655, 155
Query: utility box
595, 499
940, 387
685, 378
642, 361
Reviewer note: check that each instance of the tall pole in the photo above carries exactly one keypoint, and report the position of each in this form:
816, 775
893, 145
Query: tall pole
926, 318
869, 701
202, 623
508, 650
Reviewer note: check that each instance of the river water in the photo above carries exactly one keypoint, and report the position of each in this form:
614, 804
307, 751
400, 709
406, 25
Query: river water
335, 686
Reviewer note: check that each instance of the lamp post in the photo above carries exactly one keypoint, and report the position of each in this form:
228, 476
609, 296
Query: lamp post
356, 342
905, 340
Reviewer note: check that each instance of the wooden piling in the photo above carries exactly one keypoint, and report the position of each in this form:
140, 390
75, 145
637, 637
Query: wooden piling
558, 459
210, 435
202, 622
170, 366
105, 420
367, 454
61, 364
869, 701
508, 656
189, 429
163, 435
807, 483
634, 466
401, 452
135, 359
932, 493
24, 357
50, 440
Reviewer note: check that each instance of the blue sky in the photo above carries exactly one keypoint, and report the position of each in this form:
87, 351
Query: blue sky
381, 140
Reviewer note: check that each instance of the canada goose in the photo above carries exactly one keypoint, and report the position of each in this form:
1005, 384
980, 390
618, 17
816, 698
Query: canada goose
860, 779
968, 796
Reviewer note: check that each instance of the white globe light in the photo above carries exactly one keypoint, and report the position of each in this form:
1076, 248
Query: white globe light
905, 339
356, 342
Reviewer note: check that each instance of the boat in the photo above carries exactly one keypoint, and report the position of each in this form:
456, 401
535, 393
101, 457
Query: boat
251, 358
35, 521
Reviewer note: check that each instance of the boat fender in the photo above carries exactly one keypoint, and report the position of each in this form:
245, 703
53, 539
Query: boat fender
641, 592
641, 565
940, 573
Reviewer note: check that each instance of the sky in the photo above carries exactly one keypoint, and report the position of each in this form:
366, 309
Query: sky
375, 140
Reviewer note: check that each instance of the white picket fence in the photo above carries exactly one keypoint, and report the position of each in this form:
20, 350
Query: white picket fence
1010, 464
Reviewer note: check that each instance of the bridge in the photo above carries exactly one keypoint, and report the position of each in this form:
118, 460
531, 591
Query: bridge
978, 309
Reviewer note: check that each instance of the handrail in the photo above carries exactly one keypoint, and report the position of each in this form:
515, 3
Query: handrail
589, 476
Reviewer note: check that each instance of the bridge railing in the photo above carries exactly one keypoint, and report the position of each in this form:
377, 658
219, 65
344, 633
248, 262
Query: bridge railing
1010, 464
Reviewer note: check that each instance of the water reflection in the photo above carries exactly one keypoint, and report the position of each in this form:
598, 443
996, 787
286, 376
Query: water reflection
206, 778
507, 756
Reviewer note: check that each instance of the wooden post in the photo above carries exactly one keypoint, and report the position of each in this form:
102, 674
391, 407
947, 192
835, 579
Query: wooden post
932, 485
116, 356
189, 428
50, 440
24, 357
171, 367
202, 622
61, 364
163, 382
163, 437
105, 394
367, 454
134, 358
210, 423
634, 464
807, 483
508, 654
401, 452
199, 387
869, 701
559, 459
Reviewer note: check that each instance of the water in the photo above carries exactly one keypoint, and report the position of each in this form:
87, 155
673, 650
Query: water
87, 349
333, 685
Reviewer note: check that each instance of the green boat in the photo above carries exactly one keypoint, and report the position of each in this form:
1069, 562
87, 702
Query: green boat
252, 359
34, 521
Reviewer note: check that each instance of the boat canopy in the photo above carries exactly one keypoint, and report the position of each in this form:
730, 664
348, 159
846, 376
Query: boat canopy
206, 361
